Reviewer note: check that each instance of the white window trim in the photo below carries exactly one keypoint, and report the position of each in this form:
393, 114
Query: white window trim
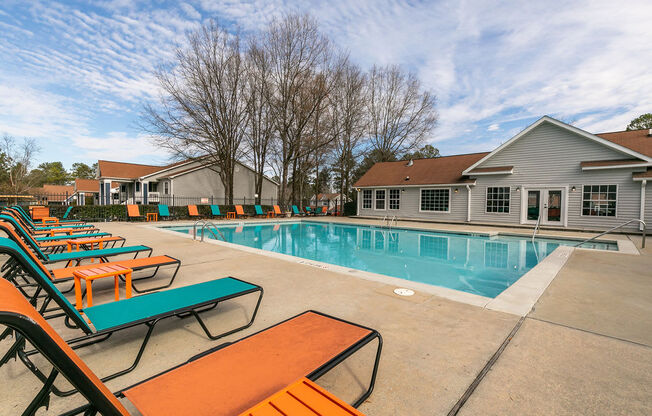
384, 208
448, 243
389, 206
450, 195
486, 199
484, 254
582, 200
372, 199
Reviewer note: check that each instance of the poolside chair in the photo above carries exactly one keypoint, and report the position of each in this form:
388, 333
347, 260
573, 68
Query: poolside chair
309, 211
193, 211
74, 257
133, 212
277, 211
239, 211
59, 246
62, 232
322, 211
297, 212
215, 211
259, 211
63, 220
111, 317
164, 211
227, 380
27, 222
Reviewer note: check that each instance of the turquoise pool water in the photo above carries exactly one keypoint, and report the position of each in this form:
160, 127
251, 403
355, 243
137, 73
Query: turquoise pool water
471, 263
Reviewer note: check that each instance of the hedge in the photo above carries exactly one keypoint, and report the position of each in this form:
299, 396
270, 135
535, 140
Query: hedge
99, 213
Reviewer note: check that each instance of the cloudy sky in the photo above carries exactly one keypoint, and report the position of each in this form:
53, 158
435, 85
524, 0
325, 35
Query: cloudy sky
74, 75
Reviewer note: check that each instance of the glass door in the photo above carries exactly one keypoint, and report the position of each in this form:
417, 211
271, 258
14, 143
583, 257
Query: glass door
533, 204
553, 209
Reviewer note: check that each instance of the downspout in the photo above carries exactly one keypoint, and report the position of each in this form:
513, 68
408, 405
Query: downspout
357, 206
468, 203
642, 216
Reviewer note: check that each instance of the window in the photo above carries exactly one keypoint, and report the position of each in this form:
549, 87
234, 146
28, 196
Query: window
599, 200
366, 199
166, 188
498, 199
394, 199
123, 188
435, 200
153, 186
380, 199
432, 246
137, 186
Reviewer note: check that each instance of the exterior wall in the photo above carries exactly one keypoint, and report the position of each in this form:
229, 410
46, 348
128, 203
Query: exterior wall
648, 206
205, 182
549, 155
409, 205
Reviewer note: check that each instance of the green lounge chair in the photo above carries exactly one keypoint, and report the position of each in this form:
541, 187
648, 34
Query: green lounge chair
18, 234
164, 211
111, 317
295, 211
215, 211
259, 211
37, 227
26, 216
309, 211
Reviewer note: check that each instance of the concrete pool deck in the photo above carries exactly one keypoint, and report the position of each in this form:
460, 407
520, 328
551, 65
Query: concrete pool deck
586, 348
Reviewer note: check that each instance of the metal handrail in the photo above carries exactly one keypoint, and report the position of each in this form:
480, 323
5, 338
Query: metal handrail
536, 227
206, 224
617, 227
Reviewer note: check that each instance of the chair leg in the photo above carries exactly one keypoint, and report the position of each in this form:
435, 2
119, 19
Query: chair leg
164, 286
210, 335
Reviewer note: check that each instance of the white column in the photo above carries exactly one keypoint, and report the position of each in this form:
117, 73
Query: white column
357, 206
468, 203
642, 216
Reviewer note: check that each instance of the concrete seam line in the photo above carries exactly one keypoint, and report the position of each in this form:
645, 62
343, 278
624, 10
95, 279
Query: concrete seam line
469, 391
591, 332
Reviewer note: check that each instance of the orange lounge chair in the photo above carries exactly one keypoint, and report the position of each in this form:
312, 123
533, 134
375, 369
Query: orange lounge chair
302, 398
239, 211
277, 211
133, 212
227, 381
193, 211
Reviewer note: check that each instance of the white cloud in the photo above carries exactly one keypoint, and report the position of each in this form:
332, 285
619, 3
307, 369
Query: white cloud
119, 146
493, 127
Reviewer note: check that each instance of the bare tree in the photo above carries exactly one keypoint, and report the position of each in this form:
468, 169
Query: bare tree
401, 113
349, 117
260, 126
18, 159
300, 59
202, 113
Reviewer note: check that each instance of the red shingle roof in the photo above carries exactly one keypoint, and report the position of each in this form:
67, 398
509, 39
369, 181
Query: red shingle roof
87, 185
122, 170
636, 140
439, 170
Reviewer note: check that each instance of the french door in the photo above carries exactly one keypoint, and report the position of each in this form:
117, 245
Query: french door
546, 203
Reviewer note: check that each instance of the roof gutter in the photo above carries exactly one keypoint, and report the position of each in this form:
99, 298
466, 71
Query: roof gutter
417, 186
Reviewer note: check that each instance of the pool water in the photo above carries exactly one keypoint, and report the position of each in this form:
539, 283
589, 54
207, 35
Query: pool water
475, 264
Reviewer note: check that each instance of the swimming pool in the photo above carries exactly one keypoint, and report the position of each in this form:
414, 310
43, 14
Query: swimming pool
478, 264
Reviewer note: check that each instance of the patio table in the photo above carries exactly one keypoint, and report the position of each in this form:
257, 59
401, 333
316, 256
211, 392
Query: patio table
100, 272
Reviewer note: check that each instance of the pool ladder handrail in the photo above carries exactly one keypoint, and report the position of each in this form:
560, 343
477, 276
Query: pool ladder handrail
204, 226
536, 227
617, 227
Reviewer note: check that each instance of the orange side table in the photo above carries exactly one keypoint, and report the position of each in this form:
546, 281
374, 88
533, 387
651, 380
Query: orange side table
230, 215
86, 242
100, 272
301, 398
151, 216
50, 220
271, 214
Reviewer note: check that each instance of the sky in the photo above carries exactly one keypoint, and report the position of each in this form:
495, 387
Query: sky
75, 75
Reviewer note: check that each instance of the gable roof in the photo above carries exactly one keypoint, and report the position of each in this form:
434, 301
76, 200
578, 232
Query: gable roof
441, 170
639, 141
87, 185
615, 143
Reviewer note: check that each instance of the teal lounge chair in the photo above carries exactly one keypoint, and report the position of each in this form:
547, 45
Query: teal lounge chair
19, 235
26, 216
65, 216
107, 318
295, 211
38, 227
309, 211
215, 211
259, 211
164, 211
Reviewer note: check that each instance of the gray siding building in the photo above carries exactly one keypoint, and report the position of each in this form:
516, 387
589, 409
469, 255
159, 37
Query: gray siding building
189, 182
550, 172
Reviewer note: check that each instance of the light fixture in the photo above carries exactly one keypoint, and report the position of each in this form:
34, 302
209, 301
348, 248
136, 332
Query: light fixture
518, 189
573, 189
407, 178
456, 190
